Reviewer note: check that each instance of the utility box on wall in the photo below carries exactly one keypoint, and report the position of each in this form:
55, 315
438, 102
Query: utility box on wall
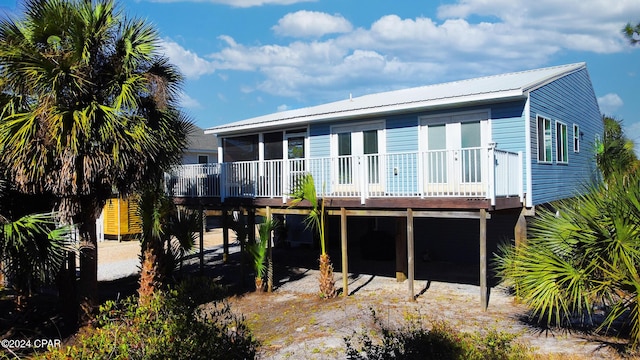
121, 219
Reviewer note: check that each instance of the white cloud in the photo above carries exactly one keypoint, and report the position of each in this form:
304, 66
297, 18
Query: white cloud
239, 3
283, 107
189, 63
311, 24
609, 103
510, 35
188, 102
588, 25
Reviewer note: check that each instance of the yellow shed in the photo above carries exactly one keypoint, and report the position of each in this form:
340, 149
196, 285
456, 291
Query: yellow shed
121, 219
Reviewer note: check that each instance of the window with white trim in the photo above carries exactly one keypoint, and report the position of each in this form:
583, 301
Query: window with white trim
576, 138
544, 139
562, 143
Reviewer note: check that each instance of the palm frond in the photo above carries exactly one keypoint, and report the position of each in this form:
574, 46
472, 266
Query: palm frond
184, 227
34, 248
258, 250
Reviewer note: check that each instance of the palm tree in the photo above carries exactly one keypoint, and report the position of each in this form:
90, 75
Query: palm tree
584, 252
258, 252
306, 190
33, 247
87, 106
168, 234
583, 256
154, 209
184, 227
632, 32
615, 152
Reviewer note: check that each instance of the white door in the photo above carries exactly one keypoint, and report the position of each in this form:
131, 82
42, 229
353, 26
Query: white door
357, 162
452, 156
295, 159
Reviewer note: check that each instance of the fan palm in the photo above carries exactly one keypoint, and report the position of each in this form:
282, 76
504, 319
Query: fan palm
615, 153
258, 252
87, 106
306, 190
184, 228
33, 247
167, 235
632, 32
586, 255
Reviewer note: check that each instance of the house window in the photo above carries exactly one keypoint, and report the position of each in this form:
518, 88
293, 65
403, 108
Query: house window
544, 139
241, 148
576, 138
273, 146
295, 147
562, 143
203, 159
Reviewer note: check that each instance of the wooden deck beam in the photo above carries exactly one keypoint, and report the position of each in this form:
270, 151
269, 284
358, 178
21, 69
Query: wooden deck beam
443, 214
416, 203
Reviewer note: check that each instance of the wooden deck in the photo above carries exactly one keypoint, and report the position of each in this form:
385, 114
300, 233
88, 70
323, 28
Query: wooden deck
444, 204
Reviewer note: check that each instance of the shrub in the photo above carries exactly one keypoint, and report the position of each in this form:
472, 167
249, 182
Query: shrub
441, 341
167, 327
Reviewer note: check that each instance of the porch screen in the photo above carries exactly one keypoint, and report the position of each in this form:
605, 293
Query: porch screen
241, 148
273, 146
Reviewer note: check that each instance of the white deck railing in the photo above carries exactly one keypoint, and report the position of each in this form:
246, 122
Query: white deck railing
471, 172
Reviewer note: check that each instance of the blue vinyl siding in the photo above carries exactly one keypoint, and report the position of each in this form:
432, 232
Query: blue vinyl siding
507, 126
507, 129
570, 100
402, 137
319, 143
320, 147
402, 133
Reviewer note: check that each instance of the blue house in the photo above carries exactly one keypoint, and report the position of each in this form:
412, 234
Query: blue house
471, 149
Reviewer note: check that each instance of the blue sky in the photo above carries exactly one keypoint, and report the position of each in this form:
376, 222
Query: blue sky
245, 58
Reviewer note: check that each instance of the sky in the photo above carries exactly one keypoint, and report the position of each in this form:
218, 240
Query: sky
246, 58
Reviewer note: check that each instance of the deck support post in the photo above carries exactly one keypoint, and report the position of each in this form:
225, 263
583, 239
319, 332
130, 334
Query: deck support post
251, 220
203, 223
410, 254
225, 235
520, 230
401, 249
345, 259
483, 259
269, 255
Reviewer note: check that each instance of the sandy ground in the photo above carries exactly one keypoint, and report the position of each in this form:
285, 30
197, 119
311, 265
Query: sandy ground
294, 323
118, 259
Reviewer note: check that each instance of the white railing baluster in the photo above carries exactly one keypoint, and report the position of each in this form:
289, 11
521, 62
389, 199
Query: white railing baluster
476, 172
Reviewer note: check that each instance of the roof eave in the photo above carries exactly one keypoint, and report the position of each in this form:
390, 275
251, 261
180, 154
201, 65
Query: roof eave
377, 111
538, 84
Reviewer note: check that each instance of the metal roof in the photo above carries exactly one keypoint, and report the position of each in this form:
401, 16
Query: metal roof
477, 90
